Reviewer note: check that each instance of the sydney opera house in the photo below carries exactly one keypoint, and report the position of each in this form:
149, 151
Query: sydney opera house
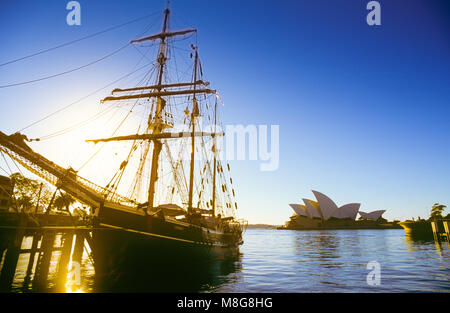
323, 212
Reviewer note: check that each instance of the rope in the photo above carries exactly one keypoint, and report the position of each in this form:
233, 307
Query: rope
77, 40
118, 127
66, 72
6, 162
75, 126
81, 99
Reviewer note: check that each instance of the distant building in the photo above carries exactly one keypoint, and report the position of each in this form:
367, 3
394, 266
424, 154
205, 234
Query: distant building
324, 210
375, 215
6, 190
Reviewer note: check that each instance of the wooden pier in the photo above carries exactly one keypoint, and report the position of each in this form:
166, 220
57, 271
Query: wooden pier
441, 230
36, 250
437, 230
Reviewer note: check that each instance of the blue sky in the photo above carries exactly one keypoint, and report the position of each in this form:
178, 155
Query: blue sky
363, 111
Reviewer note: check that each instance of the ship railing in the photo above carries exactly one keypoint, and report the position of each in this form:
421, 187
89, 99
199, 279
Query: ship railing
108, 194
238, 225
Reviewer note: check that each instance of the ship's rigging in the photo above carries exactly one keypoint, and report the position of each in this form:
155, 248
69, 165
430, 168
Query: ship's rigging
191, 174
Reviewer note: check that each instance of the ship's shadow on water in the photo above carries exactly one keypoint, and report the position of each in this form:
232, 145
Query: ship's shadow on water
152, 271
174, 276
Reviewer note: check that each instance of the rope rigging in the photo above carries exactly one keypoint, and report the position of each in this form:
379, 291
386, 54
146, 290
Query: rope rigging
80, 67
84, 122
121, 123
77, 40
68, 71
223, 196
87, 96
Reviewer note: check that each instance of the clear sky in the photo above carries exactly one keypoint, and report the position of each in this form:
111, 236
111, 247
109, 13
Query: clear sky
363, 110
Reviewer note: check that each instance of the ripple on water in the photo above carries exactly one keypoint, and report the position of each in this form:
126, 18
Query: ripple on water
336, 261
318, 261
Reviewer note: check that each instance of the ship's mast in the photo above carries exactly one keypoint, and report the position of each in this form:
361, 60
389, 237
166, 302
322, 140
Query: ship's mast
156, 124
194, 114
160, 103
215, 162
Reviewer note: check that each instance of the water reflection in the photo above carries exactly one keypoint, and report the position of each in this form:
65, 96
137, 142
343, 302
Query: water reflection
426, 246
336, 261
45, 262
270, 261
320, 244
176, 277
36, 260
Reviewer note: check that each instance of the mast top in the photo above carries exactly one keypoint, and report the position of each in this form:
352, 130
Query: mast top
165, 33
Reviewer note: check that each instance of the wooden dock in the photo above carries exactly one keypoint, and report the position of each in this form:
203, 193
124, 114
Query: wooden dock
437, 230
36, 251
441, 230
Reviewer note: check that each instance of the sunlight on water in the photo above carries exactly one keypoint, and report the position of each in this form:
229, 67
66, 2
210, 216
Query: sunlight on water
291, 261
74, 289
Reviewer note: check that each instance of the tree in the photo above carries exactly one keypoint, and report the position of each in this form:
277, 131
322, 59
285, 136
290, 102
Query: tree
436, 211
29, 193
64, 200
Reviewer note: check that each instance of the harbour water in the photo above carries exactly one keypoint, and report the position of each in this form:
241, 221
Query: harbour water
288, 261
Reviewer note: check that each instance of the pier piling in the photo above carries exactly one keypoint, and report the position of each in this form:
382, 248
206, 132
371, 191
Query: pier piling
440, 230
43, 265
446, 230
12, 255
33, 251
67, 241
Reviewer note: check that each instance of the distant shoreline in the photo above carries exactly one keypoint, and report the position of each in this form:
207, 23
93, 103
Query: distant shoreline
263, 226
381, 227
328, 227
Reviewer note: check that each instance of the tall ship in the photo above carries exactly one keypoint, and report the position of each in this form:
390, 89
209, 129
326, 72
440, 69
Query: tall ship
180, 206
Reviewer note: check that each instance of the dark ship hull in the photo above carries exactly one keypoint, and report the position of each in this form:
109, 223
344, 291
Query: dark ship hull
128, 245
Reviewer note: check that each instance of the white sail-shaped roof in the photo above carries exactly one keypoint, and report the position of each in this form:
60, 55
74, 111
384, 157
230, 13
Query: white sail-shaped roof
327, 206
305, 209
299, 209
374, 215
312, 207
349, 210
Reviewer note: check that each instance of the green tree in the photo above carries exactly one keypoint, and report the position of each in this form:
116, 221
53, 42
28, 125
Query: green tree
29, 193
436, 211
63, 201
